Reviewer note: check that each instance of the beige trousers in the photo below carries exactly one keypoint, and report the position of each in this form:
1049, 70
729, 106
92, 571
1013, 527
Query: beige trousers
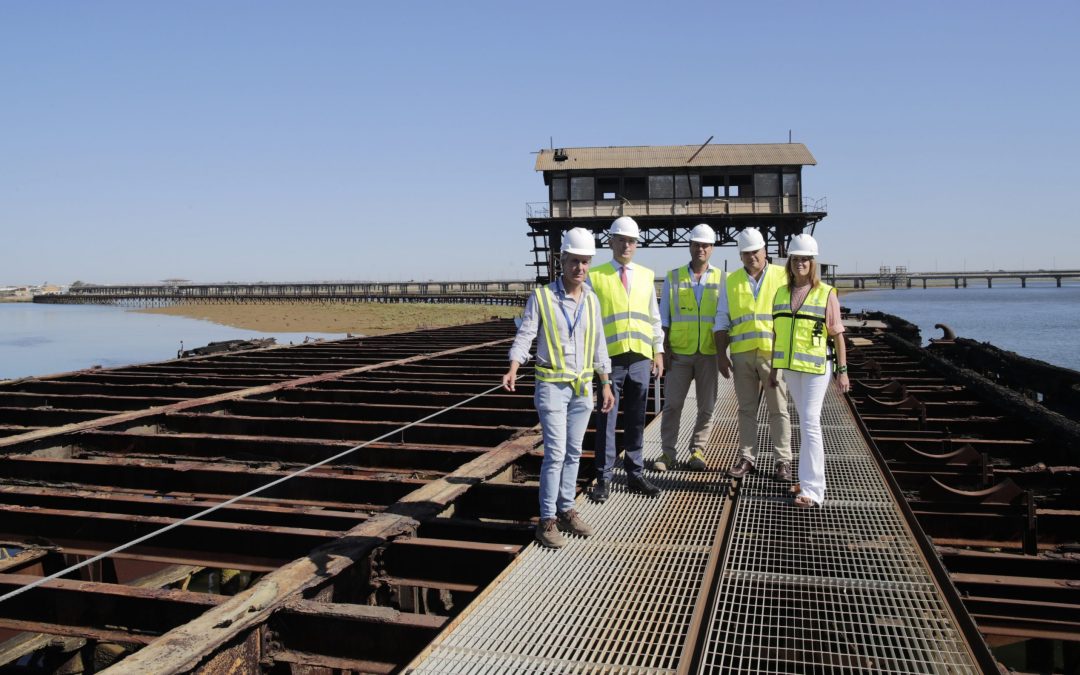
682, 368
751, 373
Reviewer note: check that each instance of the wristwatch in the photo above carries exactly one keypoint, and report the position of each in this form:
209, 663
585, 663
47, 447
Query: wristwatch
841, 370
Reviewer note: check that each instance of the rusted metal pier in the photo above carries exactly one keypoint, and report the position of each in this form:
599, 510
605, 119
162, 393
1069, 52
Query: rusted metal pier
359, 564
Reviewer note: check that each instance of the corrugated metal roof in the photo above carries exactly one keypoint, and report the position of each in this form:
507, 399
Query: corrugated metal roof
654, 156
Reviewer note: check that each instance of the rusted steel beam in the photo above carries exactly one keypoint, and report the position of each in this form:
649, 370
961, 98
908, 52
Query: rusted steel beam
177, 507
522, 399
391, 411
459, 561
502, 501
27, 643
221, 397
317, 633
223, 479
19, 399
416, 456
98, 611
199, 642
356, 430
476, 530
43, 417
203, 543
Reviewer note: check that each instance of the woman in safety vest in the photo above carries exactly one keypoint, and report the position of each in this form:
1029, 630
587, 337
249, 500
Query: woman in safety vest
572, 347
806, 313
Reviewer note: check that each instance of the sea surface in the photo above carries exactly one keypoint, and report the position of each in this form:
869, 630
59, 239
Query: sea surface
1040, 321
46, 339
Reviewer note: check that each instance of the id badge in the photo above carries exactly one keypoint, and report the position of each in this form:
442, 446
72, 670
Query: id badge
569, 348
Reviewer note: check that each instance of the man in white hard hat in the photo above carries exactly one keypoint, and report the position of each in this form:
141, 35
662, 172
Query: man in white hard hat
687, 311
566, 314
635, 342
744, 324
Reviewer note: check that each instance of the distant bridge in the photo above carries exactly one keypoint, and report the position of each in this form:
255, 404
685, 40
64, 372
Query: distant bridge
472, 292
959, 279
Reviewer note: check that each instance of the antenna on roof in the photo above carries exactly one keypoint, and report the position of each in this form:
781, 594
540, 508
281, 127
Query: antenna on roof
699, 149
789, 135
551, 140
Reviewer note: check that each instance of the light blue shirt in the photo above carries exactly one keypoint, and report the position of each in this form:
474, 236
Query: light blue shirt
699, 288
530, 327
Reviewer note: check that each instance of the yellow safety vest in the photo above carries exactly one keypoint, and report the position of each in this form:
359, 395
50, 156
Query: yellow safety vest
751, 318
558, 371
691, 329
801, 337
628, 323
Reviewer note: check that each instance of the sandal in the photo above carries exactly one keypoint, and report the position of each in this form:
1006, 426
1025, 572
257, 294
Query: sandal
804, 502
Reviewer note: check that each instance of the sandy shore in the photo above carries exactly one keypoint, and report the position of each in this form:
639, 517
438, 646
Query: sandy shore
358, 318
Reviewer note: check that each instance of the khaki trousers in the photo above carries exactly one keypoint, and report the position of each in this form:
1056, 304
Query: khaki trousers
701, 368
751, 373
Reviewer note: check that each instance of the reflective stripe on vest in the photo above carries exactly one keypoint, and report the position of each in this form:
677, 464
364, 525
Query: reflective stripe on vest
751, 318
558, 371
801, 339
628, 323
691, 325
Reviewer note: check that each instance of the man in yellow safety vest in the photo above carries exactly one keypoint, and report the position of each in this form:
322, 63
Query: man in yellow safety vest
687, 311
635, 342
744, 324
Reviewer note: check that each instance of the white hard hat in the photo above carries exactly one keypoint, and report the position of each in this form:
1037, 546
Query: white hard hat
802, 244
625, 226
703, 233
579, 241
749, 239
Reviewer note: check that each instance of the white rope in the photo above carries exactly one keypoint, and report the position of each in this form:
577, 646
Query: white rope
205, 512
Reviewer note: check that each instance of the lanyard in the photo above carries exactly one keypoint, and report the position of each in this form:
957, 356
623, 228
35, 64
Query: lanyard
570, 326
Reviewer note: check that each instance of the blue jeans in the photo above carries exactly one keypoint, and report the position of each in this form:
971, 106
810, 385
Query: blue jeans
563, 418
630, 385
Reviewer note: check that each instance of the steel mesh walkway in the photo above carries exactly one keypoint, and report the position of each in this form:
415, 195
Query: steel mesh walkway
839, 589
620, 601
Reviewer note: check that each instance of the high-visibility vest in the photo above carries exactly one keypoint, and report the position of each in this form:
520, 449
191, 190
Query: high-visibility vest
691, 329
558, 371
751, 318
628, 322
801, 338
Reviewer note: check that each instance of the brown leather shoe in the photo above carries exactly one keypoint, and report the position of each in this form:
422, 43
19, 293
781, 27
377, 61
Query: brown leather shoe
783, 471
744, 467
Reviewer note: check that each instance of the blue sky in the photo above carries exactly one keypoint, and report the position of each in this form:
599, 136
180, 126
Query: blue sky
250, 141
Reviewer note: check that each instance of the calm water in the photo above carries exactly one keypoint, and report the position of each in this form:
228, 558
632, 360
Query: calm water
1040, 321
44, 339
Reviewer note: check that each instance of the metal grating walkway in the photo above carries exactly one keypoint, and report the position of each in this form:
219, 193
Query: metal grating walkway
839, 589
